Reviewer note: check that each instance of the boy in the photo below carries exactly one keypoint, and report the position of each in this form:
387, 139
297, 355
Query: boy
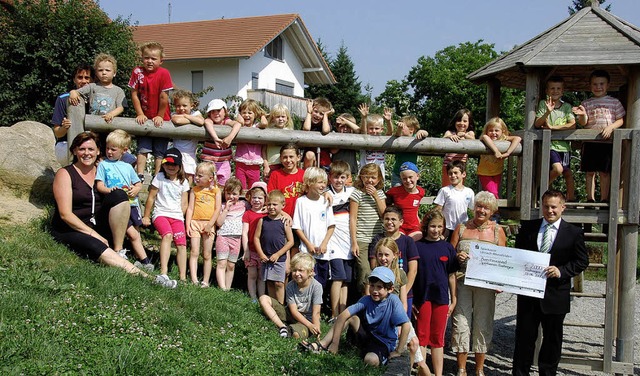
112, 174
555, 114
373, 125
392, 220
340, 256
150, 84
407, 197
303, 297
317, 119
346, 123
273, 239
605, 114
313, 221
374, 319
408, 126
454, 199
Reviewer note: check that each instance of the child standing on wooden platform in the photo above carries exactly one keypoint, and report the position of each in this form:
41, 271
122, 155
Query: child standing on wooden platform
219, 151
460, 128
490, 166
249, 157
186, 105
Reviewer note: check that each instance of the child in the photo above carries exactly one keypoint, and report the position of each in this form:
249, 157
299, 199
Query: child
229, 233
392, 220
313, 221
104, 98
340, 256
318, 112
186, 105
460, 128
374, 319
366, 206
408, 126
273, 239
248, 157
605, 114
346, 123
202, 213
168, 197
455, 199
289, 178
112, 174
256, 196
219, 151
490, 166
150, 84
373, 125
553, 113
435, 287
407, 197
279, 118
303, 297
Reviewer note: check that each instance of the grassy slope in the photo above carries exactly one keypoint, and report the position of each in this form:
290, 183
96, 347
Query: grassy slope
63, 315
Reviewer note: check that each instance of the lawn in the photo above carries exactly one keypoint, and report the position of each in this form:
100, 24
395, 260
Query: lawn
64, 315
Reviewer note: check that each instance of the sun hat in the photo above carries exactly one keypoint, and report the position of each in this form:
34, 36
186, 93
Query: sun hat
216, 104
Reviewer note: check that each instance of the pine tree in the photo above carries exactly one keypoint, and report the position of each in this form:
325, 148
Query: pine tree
579, 4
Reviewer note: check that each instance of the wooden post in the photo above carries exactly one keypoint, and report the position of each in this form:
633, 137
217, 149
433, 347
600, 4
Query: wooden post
76, 115
527, 171
493, 99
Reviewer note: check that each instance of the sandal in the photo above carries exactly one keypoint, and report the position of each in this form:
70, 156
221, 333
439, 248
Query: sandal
312, 347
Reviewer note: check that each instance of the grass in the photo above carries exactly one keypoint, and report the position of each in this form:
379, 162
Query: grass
64, 315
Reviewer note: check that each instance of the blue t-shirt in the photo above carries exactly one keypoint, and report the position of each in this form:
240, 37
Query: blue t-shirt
437, 261
382, 317
118, 174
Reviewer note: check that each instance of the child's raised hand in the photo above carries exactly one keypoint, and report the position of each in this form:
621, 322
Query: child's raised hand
309, 106
364, 109
387, 114
579, 110
550, 105
157, 121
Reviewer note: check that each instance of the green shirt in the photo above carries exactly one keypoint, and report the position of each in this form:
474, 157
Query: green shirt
557, 117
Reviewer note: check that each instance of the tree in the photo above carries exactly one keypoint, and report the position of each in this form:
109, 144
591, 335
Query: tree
43, 41
346, 94
579, 4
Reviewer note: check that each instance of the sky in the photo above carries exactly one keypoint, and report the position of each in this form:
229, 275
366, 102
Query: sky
384, 38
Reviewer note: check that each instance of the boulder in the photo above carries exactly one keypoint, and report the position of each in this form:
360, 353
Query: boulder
27, 160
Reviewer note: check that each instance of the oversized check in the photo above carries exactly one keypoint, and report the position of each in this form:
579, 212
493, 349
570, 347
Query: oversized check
508, 269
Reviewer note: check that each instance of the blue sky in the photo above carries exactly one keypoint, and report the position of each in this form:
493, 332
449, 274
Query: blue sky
384, 38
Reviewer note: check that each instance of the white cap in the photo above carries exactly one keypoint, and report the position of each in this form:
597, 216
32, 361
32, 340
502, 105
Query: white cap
216, 104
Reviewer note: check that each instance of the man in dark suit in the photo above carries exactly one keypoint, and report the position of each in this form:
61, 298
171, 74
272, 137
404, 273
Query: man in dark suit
565, 243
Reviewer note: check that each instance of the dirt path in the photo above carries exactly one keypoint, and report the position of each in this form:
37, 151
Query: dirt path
16, 210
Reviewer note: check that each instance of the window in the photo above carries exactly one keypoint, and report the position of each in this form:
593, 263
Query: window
197, 81
274, 49
284, 87
254, 81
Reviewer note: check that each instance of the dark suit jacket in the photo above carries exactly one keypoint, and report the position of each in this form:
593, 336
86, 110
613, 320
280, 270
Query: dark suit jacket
568, 254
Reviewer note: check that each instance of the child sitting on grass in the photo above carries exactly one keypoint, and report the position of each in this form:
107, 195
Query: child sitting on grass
303, 297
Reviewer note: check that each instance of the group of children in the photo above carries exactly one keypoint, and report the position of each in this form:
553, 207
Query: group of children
328, 232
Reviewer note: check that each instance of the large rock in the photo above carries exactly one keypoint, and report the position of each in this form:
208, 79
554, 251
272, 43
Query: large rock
27, 160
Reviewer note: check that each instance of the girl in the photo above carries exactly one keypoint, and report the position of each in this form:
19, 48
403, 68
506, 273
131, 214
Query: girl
168, 198
490, 166
434, 290
256, 196
366, 206
202, 213
229, 233
460, 128
279, 118
186, 105
248, 157
219, 151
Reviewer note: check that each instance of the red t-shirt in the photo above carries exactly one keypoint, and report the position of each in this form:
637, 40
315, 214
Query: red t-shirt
410, 204
149, 86
252, 218
290, 185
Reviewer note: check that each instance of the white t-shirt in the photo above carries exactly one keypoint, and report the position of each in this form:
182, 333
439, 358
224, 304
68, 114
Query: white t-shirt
169, 198
455, 204
313, 217
340, 243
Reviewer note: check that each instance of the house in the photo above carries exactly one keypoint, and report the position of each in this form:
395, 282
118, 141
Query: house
267, 58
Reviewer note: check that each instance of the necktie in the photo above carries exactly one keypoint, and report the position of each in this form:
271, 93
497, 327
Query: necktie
545, 247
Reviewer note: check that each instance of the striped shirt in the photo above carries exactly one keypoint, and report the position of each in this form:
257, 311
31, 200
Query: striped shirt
368, 221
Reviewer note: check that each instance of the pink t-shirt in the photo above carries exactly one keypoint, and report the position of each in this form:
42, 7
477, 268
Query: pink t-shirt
602, 112
149, 86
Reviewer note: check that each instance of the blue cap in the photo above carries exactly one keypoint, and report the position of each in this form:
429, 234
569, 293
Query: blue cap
384, 274
409, 166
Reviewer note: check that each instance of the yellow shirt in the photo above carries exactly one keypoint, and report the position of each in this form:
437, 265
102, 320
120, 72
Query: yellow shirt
489, 165
205, 203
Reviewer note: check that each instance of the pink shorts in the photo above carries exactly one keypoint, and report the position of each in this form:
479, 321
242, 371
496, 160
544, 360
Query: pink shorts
254, 260
432, 322
223, 172
228, 248
248, 174
490, 183
166, 225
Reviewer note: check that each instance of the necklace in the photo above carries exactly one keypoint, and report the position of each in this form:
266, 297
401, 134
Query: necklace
482, 227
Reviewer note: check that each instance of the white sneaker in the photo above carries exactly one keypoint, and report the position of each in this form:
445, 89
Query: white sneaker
164, 281
123, 253
144, 267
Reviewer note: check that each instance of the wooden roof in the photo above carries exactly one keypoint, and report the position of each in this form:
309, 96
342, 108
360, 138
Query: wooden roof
591, 38
237, 38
